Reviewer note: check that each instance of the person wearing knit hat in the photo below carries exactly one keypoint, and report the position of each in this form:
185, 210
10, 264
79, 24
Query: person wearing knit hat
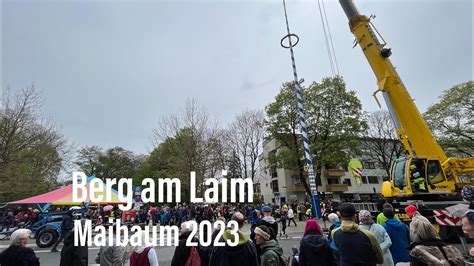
17, 253
263, 232
312, 226
314, 248
411, 211
270, 249
367, 223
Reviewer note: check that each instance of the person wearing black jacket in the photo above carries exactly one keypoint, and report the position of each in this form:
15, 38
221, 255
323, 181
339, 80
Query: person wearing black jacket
314, 248
73, 255
244, 253
66, 226
356, 247
182, 251
17, 254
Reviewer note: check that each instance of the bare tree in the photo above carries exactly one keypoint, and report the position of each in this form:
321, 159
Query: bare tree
380, 141
32, 151
245, 137
201, 149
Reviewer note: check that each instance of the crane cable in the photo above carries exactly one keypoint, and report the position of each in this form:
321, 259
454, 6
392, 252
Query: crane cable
328, 38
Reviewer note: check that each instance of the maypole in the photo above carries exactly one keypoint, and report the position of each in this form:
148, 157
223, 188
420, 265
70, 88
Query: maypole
316, 208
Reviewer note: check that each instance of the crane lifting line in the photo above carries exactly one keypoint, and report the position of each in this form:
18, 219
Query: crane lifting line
329, 43
316, 209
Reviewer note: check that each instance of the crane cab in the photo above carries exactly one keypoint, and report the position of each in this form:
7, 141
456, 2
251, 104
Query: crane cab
411, 176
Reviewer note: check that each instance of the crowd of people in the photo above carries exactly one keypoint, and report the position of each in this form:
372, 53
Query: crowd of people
354, 238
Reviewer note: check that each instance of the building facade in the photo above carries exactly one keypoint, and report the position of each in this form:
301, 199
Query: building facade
283, 185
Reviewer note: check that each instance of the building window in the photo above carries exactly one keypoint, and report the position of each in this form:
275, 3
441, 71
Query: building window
332, 181
257, 188
275, 185
368, 165
273, 172
347, 181
373, 180
364, 179
296, 180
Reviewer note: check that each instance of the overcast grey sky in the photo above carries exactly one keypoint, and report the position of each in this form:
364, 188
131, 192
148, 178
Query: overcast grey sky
109, 69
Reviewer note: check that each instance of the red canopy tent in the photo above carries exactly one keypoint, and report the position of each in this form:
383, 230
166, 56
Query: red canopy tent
63, 196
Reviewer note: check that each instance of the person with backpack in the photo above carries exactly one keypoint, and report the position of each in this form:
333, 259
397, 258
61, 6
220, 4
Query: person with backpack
188, 255
271, 252
143, 255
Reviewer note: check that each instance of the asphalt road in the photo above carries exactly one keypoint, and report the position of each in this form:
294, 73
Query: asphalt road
165, 254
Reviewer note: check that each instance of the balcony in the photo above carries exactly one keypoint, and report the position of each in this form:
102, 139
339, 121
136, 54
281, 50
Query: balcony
337, 188
334, 173
298, 188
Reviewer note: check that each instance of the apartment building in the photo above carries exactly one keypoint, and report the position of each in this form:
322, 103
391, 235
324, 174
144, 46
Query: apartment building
284, 185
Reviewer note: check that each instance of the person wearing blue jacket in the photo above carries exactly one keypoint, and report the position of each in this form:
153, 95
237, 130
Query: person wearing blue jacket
400, 236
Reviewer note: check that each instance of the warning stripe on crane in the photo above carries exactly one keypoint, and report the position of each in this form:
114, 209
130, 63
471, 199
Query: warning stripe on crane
358, 171
443, 217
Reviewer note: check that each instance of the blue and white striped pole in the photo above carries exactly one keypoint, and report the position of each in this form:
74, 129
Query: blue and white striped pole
316, 208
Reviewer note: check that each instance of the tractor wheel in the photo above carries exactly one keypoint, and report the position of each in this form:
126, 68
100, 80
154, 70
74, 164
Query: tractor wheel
46, 238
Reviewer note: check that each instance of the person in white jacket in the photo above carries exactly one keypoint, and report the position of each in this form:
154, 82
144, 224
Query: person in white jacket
367, 223
143, 253
291, 216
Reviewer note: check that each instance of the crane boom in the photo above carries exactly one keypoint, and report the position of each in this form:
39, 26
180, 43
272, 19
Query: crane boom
410, 126
423, 149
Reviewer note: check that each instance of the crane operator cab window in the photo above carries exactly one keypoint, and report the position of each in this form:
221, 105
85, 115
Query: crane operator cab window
434, 173
417, 176
399, 174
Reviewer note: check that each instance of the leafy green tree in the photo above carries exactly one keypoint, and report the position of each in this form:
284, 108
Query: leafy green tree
451, 120
334, 122
113, 163
88, 160
282, 124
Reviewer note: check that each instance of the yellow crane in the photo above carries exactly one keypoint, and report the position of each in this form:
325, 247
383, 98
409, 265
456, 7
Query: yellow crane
425, 160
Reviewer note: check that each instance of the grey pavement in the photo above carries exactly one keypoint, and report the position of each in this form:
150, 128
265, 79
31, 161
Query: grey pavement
165, 254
